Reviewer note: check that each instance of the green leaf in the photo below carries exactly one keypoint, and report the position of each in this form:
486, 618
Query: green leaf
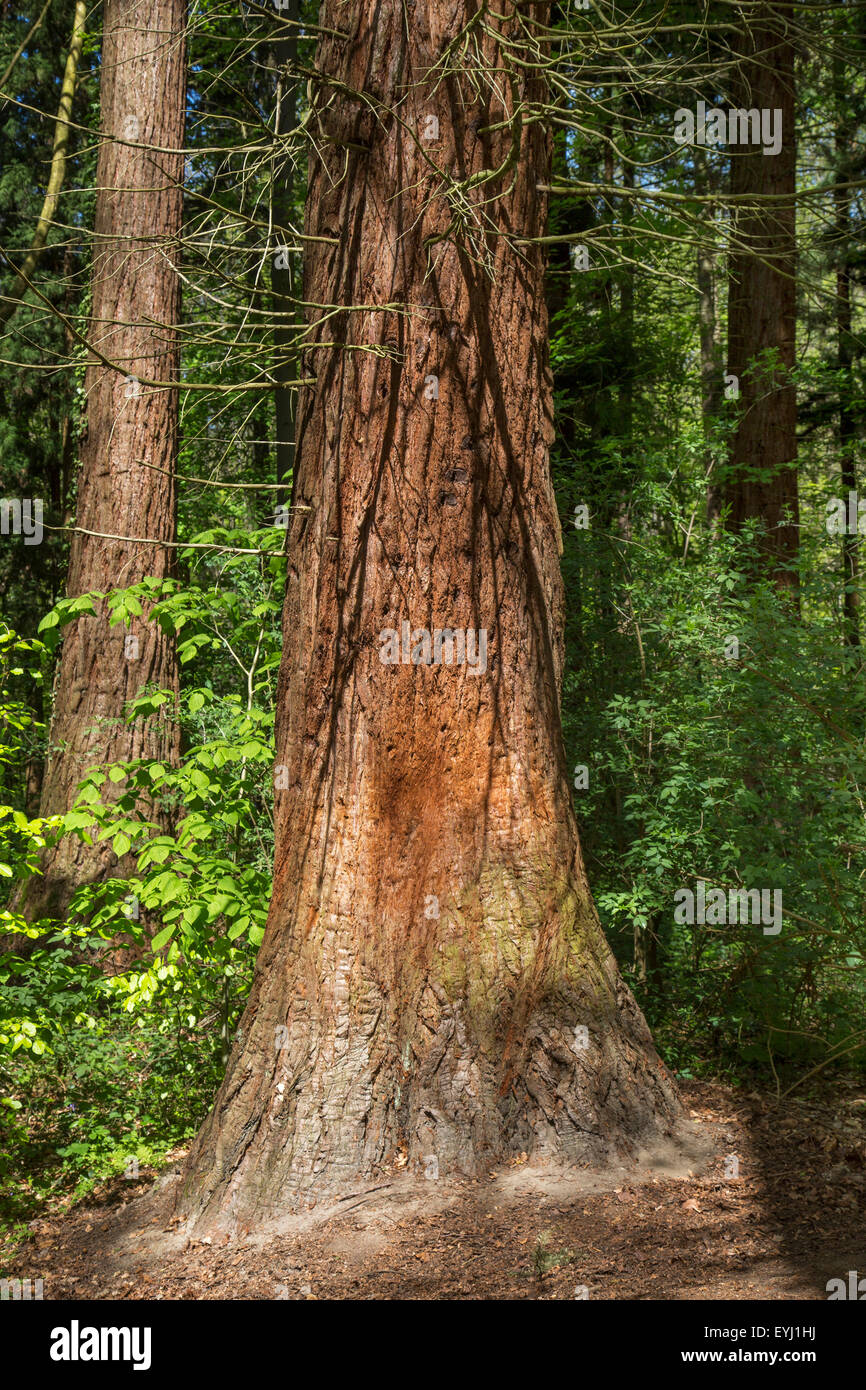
163, 937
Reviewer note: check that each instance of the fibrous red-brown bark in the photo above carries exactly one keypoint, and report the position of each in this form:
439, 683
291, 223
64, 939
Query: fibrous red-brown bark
762, 476
434, 987
136, 305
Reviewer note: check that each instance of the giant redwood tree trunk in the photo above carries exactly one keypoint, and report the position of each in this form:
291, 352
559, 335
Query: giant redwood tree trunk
130, 425
433, 987
762, 476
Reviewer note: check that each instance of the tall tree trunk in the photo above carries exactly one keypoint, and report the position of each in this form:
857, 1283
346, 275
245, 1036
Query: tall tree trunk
762, 476
626, 301
10, 302
432, 954
136, 306
708, 333
283, 275
845, 354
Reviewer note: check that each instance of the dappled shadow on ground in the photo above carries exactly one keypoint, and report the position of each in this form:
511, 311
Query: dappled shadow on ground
807, 1162
776, 1225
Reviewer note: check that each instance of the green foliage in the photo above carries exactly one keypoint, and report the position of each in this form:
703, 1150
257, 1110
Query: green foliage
111, 1082
21, 836
545, 1258
723, 733
135, 1053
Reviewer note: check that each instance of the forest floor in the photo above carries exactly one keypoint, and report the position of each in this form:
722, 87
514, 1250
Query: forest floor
676, 1227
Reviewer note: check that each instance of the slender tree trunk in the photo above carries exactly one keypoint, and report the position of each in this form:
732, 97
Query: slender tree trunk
845, 357
708, 332
136, 306
762, 476
626, 302
711, 377
283, 277
434, 987
10, 302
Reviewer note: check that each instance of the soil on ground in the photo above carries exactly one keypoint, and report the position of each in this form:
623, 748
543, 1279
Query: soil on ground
757, 1199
